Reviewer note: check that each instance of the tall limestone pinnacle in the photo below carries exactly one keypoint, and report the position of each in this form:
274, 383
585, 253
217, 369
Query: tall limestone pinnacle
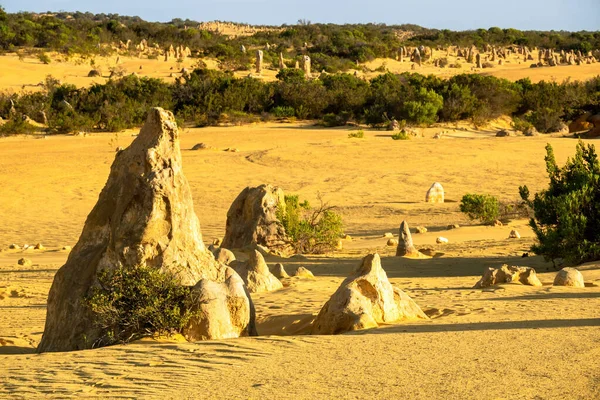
144, 216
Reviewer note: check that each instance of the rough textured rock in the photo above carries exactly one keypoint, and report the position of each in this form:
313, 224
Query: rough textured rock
94, 73
279, 271
259, 61
200, 146
364, 300
441, 240
569, 277
435, 194
503, 133
508, 274
223, 310
392, 242
26, 262
388, 235
405, 243
223, 255
14, 246
303, 273
256, 274
144, 216
306, 66
252, 220
420, 229
514, 234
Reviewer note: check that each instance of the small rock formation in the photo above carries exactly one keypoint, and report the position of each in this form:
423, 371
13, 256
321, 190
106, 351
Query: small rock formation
531, 131
514, 234
405, 244
281, 63
200, 146
393, 125
279, 271
569, 277
388, 235
224, 256
392, 242
508, 274
304, 273
428, 251
503, 133
259, 61
453, 226
420, 229
306, 66
252, 220
435, 194
364, 300
144, 216
94, 73
14, 246
497, 223
26, 262
441, 240
223, 310
39, 246
256, 274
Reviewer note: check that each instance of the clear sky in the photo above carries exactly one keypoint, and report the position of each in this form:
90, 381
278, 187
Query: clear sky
572, 15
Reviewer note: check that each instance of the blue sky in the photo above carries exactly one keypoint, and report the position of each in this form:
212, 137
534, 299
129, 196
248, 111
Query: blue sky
573, 15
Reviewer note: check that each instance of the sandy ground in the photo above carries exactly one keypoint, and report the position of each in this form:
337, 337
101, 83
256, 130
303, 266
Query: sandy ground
512, 342
26, 73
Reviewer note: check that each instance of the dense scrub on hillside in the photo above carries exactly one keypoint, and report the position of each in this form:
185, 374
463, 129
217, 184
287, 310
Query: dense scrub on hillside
332, 47
208, 97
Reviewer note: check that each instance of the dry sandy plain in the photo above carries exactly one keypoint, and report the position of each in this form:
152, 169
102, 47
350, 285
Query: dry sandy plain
511, 342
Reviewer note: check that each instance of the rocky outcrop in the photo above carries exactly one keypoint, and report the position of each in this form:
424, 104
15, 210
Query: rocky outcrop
364, 300
144, 217
222, 310
508, 274
279, 271
224, 256
405, 244
256, 274
435, 194
252, 220
302, 272
569, 277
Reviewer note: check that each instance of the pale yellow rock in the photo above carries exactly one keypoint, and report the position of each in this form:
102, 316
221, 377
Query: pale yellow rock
405, 244
508, 274
569, 277
441, 240
364, 300
222, 310
514, 234
304, 273
279, 271
26, 262
255, 273
392, 242
435, 194
224, 256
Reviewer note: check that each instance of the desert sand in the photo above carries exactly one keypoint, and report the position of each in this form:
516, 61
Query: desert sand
513, 341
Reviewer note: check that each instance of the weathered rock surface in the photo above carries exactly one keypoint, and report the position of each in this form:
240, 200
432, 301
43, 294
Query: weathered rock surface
256, 274
144, 216
435, 194
569, 277
223, 310
223, 255
508, 274
26, 262
304, 273
514, 234
364, 300
405, 243
279, 271
252, 220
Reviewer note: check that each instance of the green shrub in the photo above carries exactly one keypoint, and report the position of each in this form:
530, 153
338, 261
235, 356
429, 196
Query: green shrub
44, 58
402, 135
483, 207
130, 303
357, 134
566, 217
521, 124
312, 230
283, 112
16, 126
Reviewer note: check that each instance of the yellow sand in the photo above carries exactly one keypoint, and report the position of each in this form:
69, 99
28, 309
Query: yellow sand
515, 342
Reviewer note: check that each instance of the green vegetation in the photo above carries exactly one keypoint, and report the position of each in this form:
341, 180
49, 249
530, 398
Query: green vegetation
485, 208
402, 135
312, 230
208, 97
130, 303
16, 126
567, 214
356, 134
